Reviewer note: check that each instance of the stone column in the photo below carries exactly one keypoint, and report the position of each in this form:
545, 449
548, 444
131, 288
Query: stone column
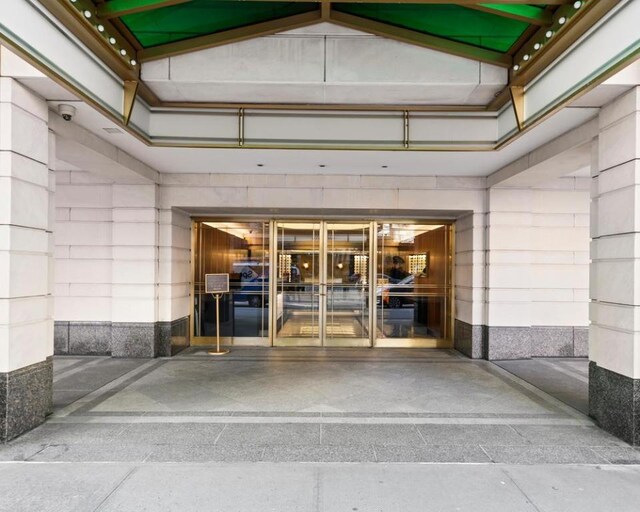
26, 323
134, 271
174, 282
470, 285
614, 338
508, 274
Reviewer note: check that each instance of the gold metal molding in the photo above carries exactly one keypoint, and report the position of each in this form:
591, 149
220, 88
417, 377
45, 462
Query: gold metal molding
517, 99
130, 92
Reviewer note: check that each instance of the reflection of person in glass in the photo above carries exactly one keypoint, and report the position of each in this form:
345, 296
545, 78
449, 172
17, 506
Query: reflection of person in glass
396, 272
294, 274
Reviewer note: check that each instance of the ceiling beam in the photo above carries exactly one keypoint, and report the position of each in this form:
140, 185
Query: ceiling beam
525, 13
117, 8
325, 10
230, 36
419, 39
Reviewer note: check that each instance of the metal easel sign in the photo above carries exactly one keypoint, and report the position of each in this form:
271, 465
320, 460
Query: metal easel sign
216, 283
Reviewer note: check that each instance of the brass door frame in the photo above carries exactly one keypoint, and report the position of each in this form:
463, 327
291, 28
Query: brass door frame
374, 341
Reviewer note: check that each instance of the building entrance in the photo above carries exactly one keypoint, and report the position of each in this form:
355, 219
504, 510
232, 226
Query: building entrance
322, 291
326, 283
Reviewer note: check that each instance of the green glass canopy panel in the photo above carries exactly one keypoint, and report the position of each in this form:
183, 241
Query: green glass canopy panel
457, 23
203, 17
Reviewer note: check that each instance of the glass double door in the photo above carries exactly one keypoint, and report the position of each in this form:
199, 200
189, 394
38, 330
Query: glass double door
322, 274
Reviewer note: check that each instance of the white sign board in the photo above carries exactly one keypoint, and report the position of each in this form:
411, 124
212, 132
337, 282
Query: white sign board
216, 283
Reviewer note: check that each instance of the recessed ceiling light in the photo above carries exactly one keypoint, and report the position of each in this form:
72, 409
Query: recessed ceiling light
537, 46
562, 20
87, 14
516, 67
100, 28
549, 33
112, 40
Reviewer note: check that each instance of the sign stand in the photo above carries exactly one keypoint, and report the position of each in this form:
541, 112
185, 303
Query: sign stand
217, 285
217, 351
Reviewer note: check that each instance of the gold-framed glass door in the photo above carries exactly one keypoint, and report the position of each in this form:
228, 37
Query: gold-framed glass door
347, 284
242, 250
413, 285
298, 305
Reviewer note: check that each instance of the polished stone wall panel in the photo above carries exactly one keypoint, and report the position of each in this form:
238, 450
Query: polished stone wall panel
26, 397
580, 342
61, 338
614, 401
469, 339
90, 338
552, 341
508, 342
133, 339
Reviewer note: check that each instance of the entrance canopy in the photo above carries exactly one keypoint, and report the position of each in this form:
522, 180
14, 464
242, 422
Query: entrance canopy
407, 75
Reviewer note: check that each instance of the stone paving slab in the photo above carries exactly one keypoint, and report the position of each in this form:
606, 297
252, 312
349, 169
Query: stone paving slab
317, 487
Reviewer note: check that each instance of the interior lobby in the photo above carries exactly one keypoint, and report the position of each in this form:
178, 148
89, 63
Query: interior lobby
428, 212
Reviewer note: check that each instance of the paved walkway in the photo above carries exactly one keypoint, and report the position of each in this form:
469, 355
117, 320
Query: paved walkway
362, 422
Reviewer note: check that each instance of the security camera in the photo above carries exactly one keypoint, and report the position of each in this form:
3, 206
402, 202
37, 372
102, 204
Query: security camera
66, 111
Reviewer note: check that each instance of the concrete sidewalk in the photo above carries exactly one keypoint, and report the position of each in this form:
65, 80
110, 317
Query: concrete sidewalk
50, 487
317, 430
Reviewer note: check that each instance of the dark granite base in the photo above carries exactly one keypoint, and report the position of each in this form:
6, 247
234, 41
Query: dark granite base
614, 402
143, 339
90, 338
580, 342
469, 339
508, 343
26, 397
173, 337
551, 342
133, 339
61, 338
503, 343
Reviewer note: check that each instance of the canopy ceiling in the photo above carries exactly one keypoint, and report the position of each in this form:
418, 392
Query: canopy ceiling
489, 26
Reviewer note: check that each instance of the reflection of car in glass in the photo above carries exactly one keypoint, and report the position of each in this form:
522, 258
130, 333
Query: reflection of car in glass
251, 283
386, 293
